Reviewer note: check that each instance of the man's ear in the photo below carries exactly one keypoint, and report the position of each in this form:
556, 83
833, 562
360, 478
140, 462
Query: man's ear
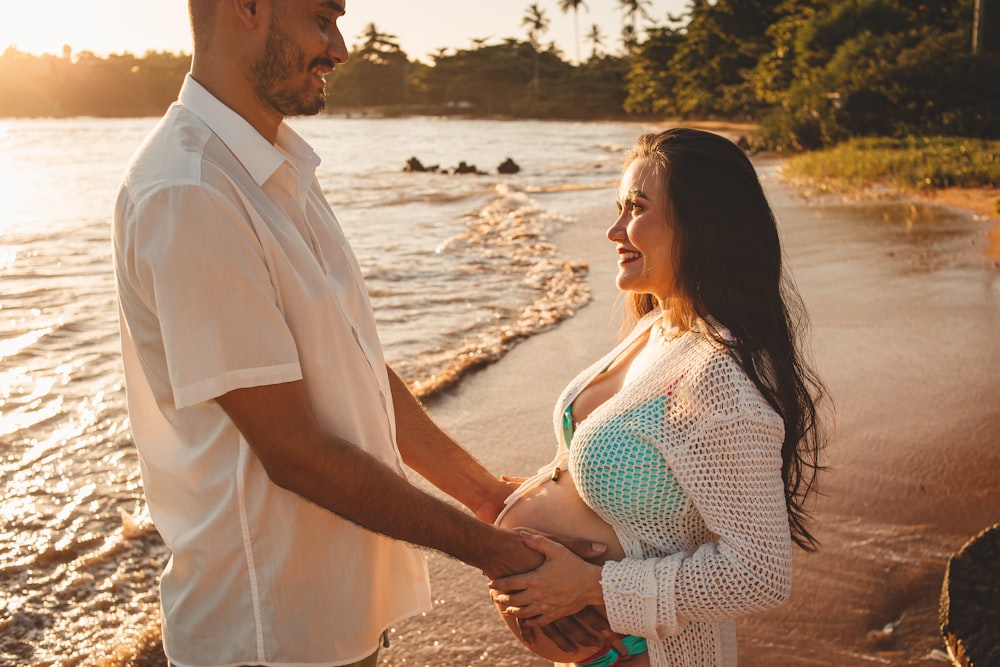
247, 12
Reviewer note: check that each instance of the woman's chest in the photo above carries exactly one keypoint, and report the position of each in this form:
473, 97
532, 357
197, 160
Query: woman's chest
620, 469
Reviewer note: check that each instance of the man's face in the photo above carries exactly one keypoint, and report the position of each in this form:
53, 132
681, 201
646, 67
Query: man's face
303, 46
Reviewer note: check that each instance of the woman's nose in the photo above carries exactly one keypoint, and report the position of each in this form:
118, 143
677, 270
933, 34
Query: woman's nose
616, 232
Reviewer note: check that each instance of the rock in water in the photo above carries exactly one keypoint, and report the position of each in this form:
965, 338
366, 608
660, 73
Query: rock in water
508, 166
970, 601
414, 165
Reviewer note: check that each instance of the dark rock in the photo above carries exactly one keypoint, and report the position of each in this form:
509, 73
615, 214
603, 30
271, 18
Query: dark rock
969, 613
508, 166
464, 168
414, 165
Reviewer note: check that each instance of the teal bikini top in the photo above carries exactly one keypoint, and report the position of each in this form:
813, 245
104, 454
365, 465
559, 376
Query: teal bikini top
569, 425
619, 468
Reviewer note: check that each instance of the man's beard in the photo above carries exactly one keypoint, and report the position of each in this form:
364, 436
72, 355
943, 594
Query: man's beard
283, 62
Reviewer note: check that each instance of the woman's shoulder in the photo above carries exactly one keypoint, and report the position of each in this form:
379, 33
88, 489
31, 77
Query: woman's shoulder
715, 375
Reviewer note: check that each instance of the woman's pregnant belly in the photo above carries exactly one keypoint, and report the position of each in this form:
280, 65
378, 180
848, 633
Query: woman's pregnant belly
553, 506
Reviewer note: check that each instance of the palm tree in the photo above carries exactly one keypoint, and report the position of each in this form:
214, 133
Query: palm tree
979, 26
629, 38
634, 9
596, 39
565, 6
537, 24
375, 45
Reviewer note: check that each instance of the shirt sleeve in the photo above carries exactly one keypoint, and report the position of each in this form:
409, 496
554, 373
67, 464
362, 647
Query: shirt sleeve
201, 269
730, 468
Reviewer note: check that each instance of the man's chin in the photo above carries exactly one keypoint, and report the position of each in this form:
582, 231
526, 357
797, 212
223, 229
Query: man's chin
289, 107
314, 107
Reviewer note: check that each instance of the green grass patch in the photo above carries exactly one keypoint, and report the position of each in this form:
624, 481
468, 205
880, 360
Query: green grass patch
913, 162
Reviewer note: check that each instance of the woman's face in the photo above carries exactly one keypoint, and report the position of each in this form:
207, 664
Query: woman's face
643, 233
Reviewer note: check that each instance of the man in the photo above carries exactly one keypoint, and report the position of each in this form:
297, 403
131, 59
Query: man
261, 406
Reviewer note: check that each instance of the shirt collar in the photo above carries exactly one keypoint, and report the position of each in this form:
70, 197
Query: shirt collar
259, 157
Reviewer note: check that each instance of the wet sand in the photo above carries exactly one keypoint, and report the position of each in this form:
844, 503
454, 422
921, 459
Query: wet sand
905, 309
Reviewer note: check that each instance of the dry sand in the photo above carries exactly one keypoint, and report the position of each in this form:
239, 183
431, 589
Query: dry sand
905, 308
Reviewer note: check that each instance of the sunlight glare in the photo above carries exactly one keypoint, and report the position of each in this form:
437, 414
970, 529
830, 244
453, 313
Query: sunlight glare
14, 191
46, 27
99, 26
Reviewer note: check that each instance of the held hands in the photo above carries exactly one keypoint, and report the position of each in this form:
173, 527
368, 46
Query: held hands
563, 585
580, 635
586, 629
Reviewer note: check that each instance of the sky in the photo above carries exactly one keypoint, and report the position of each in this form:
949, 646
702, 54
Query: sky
421, 26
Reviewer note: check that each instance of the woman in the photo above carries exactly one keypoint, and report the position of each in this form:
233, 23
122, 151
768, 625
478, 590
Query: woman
696, 438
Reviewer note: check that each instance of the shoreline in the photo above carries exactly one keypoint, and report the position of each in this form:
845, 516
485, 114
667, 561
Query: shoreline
983, 203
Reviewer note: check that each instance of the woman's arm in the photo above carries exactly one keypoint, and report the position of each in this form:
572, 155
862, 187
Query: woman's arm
731, 472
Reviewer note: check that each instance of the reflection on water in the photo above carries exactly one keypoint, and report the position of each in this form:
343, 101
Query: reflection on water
919, 236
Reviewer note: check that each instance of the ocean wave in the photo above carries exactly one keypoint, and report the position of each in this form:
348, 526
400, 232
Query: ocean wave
505, 244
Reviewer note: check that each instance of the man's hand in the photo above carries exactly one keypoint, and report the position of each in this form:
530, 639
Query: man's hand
587, 629
563, 585
493, 503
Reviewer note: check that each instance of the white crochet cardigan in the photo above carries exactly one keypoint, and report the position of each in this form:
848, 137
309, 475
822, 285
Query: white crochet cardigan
722, 546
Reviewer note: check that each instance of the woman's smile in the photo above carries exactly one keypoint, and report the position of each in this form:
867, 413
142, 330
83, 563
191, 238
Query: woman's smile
628, 256
643, 234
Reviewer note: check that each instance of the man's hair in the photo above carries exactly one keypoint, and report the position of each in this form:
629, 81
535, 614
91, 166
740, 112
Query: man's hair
202, 13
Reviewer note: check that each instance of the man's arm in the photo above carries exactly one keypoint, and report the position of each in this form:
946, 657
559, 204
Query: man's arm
434, 455
299, 456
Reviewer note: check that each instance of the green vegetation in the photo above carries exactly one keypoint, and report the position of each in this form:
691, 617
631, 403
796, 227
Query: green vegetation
810, 73
119, 85
924, 162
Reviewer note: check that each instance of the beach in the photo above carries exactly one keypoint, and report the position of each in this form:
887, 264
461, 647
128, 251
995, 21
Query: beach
905, 307
904, 299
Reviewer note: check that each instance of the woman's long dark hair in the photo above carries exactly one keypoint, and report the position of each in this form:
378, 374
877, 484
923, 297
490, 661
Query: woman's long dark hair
729, 269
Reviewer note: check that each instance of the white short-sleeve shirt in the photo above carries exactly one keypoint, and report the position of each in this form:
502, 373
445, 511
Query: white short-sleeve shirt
233, 272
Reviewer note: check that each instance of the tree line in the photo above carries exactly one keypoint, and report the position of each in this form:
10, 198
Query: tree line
811, 73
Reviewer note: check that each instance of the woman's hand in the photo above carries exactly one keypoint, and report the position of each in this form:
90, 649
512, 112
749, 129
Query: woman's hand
561, 586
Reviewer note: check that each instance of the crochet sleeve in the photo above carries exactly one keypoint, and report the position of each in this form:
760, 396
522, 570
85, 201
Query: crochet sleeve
729, 465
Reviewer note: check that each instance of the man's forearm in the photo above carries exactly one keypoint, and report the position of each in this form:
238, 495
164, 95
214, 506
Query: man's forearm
299, 456
361, 489
434, 455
